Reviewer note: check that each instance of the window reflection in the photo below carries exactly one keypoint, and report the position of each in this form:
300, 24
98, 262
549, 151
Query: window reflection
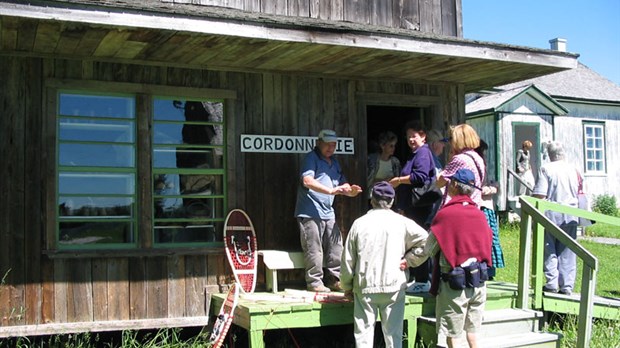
77, 206
166, 157
96, 183
188, 145
96, 155
96, 106
80, 129
95, 232
96, 169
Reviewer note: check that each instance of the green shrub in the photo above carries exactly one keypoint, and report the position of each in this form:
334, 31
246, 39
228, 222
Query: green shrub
605, 204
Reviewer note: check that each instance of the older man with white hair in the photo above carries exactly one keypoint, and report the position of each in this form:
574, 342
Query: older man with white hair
558, 181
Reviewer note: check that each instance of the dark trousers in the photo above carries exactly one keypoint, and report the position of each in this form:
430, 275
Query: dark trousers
422, 273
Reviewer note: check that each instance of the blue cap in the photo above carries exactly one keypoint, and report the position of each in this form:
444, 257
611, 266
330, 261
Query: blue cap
465, 176
383, 191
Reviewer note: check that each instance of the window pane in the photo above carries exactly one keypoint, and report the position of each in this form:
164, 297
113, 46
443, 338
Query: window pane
599, 166
96, 183
95, 232
96, 206
187, 208
598, 143
188, 184
98, 155
170, 157
179, 133
598, 155
195, 233
598, 132
96, 130
188, 110
96, 106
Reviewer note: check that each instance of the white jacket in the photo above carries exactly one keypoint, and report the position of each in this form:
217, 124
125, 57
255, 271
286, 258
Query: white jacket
374, 249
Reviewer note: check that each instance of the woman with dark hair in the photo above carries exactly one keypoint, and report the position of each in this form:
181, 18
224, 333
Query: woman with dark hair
489, 189
418, 171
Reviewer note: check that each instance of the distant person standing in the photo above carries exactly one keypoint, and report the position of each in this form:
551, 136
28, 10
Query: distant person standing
558, 181
370, 274
524, 167
321, 179
383, 165
460, 243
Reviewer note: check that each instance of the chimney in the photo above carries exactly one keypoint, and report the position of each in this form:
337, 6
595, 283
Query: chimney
558, 44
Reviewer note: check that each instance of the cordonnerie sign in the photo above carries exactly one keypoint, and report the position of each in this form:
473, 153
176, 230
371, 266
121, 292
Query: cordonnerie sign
290, 144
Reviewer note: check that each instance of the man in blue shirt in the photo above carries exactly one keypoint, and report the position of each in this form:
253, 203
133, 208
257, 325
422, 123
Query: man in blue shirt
321, 180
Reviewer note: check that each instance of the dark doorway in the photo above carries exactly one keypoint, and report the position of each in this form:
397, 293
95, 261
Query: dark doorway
392, 118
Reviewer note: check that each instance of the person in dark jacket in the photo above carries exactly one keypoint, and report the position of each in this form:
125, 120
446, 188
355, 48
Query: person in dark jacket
418, 171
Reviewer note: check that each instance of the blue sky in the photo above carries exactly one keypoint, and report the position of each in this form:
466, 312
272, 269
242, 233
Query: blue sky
591, 28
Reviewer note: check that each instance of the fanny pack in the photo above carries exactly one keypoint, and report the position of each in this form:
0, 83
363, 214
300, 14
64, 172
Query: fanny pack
472, 276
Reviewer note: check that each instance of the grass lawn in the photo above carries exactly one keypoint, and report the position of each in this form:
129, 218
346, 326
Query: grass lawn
607, 281
605, 333
603, 230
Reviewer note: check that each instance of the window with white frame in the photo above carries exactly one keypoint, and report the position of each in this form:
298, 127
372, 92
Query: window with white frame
594, 147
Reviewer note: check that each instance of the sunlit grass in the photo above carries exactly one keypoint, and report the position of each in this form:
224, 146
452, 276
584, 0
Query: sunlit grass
603, 230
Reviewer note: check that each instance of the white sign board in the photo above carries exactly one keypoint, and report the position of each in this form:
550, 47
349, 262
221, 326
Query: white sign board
290, 144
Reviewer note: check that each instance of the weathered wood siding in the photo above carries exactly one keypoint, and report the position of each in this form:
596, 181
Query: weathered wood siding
38, 288
442, 17
569, 130
521, 110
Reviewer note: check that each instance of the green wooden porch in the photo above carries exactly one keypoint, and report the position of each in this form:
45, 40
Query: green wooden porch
522, 306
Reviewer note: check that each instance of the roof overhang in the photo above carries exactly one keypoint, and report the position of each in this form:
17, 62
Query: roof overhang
223, 39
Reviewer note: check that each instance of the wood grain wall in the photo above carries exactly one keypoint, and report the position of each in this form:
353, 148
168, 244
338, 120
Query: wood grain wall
430, 16
38, 288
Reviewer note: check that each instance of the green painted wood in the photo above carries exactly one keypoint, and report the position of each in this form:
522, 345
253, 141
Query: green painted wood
603, 308
269, 311
525, 250
533, 209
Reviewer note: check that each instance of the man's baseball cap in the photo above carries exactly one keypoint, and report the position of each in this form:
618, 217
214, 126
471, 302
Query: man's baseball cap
465, 176
383, 191
328, 136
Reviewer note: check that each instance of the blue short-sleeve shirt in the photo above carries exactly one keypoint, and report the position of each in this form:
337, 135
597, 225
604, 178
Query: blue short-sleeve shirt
312, 204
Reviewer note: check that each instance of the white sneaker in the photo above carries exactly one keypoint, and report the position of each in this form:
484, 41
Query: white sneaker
417, 288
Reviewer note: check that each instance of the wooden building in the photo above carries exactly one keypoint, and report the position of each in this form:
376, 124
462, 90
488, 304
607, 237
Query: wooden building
577, 107
121, 126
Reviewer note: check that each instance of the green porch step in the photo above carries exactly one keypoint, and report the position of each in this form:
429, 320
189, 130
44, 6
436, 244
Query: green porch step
500, 328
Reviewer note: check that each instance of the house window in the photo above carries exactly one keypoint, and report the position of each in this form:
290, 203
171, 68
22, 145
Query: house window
594, 147
188, 169
96, 170
101, 167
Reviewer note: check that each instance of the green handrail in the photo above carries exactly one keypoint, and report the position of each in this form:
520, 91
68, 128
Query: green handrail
533, 219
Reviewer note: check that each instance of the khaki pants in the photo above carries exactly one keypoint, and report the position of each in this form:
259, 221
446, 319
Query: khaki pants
321, 243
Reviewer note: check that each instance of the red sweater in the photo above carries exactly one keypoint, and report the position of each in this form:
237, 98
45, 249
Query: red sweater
462, 232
